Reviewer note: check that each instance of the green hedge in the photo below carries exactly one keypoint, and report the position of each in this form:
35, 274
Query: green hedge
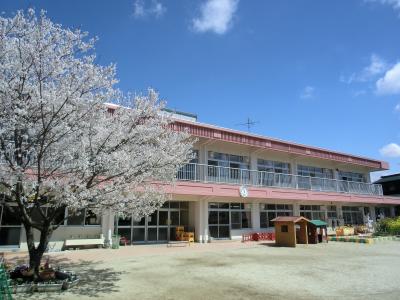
388, 226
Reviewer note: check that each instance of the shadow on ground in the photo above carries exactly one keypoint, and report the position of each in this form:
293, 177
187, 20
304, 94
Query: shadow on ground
94, 282
270, 245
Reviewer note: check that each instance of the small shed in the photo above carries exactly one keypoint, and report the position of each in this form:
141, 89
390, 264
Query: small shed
290, 231
317, 232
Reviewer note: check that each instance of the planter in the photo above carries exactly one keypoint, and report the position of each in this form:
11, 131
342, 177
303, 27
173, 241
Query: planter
49, 287
22, 288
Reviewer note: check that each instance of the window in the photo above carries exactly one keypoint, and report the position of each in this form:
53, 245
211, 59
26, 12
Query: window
83, 217
218, 220
312, 212
91, 218
195, 159
310, 171
227, 165
59, 216
284, 228
332, 212
352, 215
273, 166
76, 219
351, 176
271, 211
240, 215
10, 228
224, 216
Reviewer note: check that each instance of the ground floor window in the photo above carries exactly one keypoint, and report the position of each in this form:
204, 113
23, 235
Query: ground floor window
82, 218
225, 216
10, 228
312, 212
352, 215
332, 212
158, 227
271, 211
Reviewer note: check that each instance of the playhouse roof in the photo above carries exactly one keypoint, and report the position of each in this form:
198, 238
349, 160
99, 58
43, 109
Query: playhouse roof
318, 223
293, 219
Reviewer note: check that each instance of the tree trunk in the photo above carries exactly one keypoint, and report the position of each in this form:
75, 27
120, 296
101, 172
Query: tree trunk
36, 253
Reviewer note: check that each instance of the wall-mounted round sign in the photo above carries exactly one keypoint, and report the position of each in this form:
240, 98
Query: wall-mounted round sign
243, 191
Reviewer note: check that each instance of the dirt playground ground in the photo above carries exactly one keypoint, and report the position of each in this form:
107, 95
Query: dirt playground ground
233, 271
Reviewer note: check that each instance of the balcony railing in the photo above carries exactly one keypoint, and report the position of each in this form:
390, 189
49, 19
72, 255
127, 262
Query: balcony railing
218, 174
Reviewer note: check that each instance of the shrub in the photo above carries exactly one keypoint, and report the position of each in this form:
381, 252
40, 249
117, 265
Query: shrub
388, 226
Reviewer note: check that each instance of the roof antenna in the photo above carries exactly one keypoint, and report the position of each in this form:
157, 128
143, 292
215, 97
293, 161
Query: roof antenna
249, 123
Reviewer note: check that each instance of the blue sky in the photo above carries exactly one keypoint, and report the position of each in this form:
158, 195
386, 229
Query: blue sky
323, 73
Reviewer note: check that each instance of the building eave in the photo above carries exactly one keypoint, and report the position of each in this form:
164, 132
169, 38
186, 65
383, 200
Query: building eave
208, 131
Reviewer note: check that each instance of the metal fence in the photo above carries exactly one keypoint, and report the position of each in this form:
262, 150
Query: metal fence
218, 174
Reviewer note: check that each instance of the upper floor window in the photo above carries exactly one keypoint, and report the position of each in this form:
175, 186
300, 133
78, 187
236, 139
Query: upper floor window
351, 176
228, 160
310, 171
273, 166
195, 158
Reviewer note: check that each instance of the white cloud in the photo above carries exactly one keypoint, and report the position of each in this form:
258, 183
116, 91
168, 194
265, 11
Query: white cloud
154, 8
376, 67
395, 4
397, 108
215, 16
390, 150
359, 93
308, 92
390, 82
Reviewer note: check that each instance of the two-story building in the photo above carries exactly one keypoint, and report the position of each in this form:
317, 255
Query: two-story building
237, 183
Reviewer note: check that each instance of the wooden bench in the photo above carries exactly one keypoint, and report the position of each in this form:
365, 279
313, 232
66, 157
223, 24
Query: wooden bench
78, 242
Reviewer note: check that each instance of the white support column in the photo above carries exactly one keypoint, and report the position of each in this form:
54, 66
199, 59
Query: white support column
205, 221
201, 221
372, 213
367, 176
296, 209
293, 171
340, 214
392, 211
293, 166
107, 227
255, 216
325, 210
203, 155
253, 161
335, 174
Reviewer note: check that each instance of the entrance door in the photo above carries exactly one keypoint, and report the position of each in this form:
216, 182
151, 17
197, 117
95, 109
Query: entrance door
161, 225
218, 220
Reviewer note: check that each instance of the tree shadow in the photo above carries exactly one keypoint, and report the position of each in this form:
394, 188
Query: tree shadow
95, 281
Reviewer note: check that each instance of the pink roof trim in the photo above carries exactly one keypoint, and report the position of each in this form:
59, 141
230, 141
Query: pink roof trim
239, 137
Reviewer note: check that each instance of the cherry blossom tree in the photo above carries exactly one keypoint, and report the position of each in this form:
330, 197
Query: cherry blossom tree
62, 146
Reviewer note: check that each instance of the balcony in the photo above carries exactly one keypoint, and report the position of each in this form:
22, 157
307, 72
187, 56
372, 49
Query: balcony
218, 174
